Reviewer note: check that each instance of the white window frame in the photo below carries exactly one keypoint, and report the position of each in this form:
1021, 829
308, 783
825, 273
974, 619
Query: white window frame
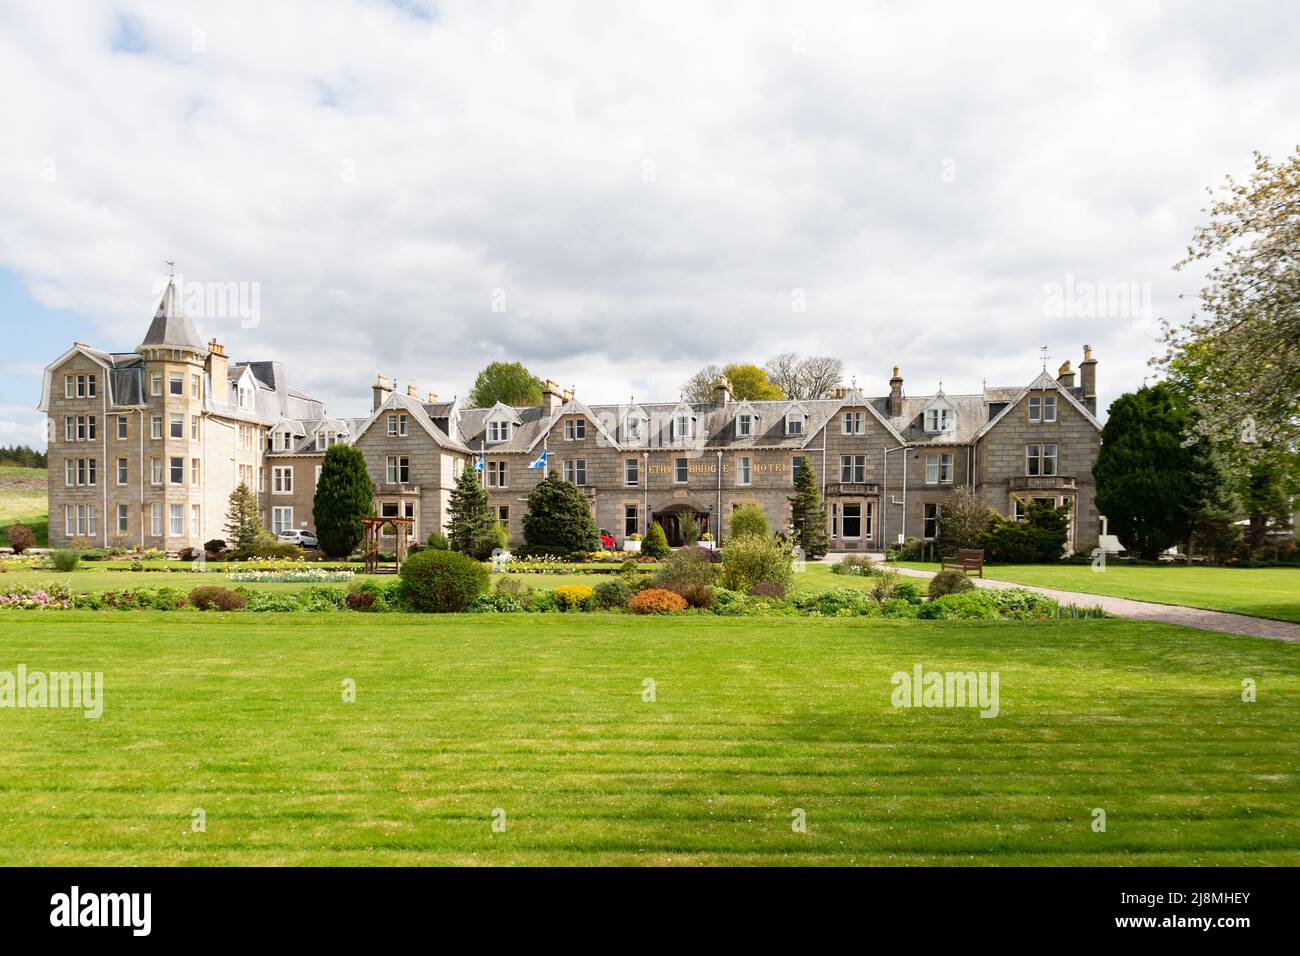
495, 474
680, 427
681, 471
156, 385
575, 470
854, 423
632, 428
123, 519
744, 470
853, 469
156, 520
575, 429
176, 520
123, 471
744, 426
282, 480
121, 427
156, 428
631, 472
794, 424
281, 519
171, 470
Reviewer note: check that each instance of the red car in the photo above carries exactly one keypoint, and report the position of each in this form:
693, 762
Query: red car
606, 540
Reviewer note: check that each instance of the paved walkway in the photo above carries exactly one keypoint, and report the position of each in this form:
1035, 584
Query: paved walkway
1148, 611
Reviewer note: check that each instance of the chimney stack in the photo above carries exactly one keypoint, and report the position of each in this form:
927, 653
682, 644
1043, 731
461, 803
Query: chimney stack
1065, 375
433, 399
552, 397
218, 371
1088, 379
896, 395
722, 391
412, 392
381, 390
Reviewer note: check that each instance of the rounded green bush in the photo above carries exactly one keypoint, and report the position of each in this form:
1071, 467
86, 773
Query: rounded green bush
442, 581
214, 598
949, 581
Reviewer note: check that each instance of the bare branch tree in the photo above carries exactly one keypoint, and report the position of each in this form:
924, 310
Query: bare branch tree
818, 374
699, 387
783, 372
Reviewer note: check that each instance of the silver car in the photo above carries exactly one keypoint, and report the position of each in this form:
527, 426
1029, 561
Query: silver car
304, 539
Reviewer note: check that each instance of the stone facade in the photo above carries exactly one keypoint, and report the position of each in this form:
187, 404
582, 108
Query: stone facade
146, 447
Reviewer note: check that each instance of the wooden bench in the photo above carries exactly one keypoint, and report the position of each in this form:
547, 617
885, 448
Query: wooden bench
967, 559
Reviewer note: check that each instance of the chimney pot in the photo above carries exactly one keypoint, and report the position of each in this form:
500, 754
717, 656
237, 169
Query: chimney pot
433, 398
412, 391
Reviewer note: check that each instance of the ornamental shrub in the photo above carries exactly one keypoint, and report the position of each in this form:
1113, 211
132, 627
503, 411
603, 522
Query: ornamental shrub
494, 603
685, 569
748, 520
697, 595
492, 538
65, 559
749, 561
949, 581
574, 597
438, 542
657, 601
21, 538
613, 595
442, 581
360, 600
767, 589
214, 598
969, 606
655, 544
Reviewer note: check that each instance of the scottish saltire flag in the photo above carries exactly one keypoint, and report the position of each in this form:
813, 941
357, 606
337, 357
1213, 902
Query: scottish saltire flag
540, 462
478, 465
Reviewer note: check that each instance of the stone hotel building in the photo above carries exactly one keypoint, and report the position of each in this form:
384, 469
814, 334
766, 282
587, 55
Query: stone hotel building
146, 447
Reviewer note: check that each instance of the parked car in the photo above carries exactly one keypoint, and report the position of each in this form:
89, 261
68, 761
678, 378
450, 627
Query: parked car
606, 540
304, 539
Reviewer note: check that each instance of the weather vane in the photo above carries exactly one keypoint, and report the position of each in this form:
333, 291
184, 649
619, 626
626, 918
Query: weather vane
1043, 351
171, 266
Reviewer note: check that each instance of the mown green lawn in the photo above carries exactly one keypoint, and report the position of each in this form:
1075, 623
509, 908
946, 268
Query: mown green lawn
23, 500
1261, 592
542, 717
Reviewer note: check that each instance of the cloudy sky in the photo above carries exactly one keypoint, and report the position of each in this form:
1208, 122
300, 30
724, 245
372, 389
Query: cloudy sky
617, 193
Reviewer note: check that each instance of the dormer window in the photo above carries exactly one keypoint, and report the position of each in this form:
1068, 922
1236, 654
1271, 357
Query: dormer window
321, 439
498, 432
938, 419
744, 426
681, 426
794, 423
632, 428
575, 429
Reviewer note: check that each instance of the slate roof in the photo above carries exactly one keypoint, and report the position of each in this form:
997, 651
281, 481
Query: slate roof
170, 325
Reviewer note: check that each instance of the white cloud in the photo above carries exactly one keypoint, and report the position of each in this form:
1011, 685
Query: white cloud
647, 183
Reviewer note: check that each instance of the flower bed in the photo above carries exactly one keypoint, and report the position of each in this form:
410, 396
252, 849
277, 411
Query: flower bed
291, 577
40, 597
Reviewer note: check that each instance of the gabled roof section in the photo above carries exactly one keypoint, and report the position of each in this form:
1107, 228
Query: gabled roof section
404, 403
171, 327
102, 359
575, 407
503, 412
1044, 382
855, 399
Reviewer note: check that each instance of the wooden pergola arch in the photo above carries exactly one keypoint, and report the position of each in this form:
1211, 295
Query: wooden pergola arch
374, 529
